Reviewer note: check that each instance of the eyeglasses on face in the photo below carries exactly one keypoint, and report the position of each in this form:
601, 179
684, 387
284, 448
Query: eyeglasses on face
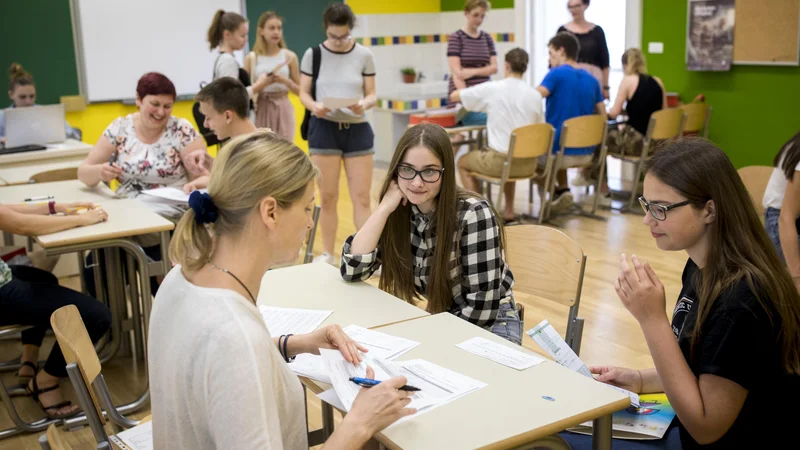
659, 212
428, 175
344, 38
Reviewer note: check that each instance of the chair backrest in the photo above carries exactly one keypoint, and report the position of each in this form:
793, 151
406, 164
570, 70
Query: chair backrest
666, 124
755, 179
77, 347
698, 117
531, 141
583, 131
546, 263
55, 440
70, 173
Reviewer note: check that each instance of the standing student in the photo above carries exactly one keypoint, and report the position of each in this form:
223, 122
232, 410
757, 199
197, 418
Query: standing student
782, 203
22, 92
228, 33
217, 377
471, 56
435, 241
224, 105
731, 354
347, 70
593, 55
28, 296
570, 92
639, 95
510, 103
270, 57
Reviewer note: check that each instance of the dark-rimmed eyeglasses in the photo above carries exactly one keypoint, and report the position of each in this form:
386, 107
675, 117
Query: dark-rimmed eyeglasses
659, 212
428, 175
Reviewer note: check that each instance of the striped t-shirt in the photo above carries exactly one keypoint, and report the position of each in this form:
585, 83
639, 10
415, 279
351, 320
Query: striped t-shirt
474, 53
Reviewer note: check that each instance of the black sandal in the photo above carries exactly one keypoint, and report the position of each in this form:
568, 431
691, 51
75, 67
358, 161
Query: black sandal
23, 380
35, 394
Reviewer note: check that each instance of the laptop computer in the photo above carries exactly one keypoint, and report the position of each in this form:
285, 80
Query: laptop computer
36, 125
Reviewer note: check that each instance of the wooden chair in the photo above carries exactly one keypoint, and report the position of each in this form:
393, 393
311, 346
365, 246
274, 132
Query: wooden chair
664, 124
312, 233
582, 131
53, 440
528, 142
755, 179
699, 117
548, 264
69, 173
83, 367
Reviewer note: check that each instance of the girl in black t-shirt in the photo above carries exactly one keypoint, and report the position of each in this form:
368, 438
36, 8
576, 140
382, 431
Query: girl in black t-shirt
730, 358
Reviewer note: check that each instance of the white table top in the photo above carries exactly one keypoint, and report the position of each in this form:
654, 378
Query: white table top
70, 147
320, 286
63, 191
510, 411
126, 218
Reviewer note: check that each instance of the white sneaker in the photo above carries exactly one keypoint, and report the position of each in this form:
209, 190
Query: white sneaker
562, 203
324, 258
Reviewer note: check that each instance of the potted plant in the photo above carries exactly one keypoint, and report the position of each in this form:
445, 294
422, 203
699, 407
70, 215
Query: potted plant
409, 75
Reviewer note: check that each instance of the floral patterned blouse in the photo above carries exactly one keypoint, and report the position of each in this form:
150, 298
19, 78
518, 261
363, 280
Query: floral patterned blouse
5, 273
150, 166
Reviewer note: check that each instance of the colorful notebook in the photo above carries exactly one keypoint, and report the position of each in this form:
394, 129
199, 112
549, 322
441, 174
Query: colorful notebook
647, 422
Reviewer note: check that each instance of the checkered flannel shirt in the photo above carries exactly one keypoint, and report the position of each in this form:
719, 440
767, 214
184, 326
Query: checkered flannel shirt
481, 278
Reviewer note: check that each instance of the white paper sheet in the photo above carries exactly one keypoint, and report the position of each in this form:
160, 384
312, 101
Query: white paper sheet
282, 321
139, 437
310, 366
500, 353
438, 385
330, 397
339, 103
170, 193
380, 345
550, 341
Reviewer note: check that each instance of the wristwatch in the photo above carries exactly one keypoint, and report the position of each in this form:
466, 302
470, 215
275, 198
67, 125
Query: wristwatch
52, 205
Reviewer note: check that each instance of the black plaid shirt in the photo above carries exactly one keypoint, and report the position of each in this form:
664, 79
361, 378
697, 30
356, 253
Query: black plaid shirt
481, 279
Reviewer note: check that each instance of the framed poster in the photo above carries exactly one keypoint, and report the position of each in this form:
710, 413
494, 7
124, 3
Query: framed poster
709, 35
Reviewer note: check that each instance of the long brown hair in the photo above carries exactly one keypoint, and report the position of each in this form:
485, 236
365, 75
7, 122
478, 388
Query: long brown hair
395, 241
738, 245
222, 22
790, 153
17, 76
248, 169
260, 48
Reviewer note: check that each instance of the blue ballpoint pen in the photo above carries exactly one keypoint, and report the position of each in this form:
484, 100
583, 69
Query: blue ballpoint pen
368, 382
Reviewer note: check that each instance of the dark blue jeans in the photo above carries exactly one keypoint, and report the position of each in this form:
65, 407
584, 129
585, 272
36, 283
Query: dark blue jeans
31, 297
771, 219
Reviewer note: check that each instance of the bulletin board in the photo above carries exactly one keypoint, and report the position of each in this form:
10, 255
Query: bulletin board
767, 32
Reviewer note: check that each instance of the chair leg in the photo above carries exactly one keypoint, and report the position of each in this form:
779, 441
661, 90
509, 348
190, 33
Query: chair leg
635, 188
501, 190
20, 425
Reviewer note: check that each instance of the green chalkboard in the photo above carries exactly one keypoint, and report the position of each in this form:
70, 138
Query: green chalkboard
302, 21
38, 35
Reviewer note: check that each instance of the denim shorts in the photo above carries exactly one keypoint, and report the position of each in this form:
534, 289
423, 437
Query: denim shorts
771, 220
508, 325
337, 138
473, 118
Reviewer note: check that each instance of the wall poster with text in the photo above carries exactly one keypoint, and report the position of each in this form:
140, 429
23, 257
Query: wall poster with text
709, 35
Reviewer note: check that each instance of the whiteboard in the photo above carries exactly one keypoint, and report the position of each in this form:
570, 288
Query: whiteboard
118, 41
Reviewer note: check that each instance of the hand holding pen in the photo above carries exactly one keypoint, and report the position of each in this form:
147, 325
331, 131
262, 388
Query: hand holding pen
111, 170
369, 382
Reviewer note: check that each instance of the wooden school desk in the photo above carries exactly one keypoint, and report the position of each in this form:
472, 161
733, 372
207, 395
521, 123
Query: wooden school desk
16, 168
511, 410
320, 286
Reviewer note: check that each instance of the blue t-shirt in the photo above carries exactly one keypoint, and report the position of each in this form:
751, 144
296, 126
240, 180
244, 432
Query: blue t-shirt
573, 92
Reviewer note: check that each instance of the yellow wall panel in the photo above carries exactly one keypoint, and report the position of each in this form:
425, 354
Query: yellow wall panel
394, 6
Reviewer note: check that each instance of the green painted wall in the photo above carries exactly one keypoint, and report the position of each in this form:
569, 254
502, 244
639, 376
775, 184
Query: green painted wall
755, 108
38, 35
458, 5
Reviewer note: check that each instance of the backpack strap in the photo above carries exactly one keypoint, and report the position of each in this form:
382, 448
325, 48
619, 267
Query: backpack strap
316, 54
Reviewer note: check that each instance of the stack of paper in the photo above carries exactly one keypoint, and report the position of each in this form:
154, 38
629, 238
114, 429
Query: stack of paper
500, 354
379, 345
437, 385
170, 194
550, 341
646, 422
282, 321
139, 437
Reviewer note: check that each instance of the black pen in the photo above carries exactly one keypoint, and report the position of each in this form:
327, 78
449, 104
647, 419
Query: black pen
368, 382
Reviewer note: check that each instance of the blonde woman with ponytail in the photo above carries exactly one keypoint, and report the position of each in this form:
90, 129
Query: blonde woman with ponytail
217, 377
639, 96
272, 59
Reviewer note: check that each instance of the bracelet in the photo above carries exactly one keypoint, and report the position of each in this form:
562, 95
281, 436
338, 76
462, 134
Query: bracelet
285, 352
280, 346
52, 205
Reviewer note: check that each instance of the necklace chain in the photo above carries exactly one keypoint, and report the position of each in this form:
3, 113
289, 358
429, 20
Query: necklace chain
235, 278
